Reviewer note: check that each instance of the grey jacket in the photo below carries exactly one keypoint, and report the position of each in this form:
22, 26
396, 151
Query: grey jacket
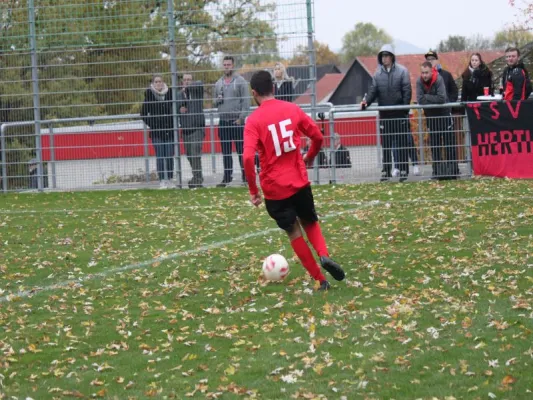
235, 103
435, 94
193, 99
391, 87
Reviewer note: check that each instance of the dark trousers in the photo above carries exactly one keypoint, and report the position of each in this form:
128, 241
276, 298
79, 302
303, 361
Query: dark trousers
193, 141
442, 137
230, 133
164, 152
394, 138
412, 151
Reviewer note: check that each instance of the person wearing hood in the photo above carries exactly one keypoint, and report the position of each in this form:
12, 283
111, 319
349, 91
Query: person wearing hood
515, 79
156, 112
391, 86
476, 77
232, 98
452, 92
431, 89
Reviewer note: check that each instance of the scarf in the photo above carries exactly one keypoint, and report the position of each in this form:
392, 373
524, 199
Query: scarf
159, 95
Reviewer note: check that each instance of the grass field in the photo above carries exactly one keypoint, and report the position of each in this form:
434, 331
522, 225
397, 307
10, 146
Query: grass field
139, 294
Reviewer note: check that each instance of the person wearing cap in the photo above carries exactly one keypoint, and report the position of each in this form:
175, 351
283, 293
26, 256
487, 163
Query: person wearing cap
452, 92
391, 86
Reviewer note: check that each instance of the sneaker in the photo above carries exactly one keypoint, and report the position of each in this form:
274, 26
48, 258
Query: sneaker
224, 183
416, 170
163, 184
385, 176
332, 267
324, 285
403, 176
395, 172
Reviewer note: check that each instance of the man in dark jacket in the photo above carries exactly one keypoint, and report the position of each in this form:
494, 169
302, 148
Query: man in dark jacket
391, 86
452, 92
192, 119
341, 153
515, 79
431, 89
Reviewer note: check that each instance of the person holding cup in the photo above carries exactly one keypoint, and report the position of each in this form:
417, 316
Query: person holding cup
477, 79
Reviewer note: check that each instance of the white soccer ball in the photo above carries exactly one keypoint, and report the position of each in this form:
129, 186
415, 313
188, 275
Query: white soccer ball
275, 267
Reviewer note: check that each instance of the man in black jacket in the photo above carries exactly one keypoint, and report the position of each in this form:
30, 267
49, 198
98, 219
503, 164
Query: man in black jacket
452, 92
342, 154
192, 119
515, 79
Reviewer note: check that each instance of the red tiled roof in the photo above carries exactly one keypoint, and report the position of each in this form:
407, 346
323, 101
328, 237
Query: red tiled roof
453, 62
324, 89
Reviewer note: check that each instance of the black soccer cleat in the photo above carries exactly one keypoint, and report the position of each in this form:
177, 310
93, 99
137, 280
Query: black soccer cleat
324, 285
332, 267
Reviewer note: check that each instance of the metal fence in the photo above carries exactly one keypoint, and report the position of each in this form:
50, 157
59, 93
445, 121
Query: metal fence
118, 152
89, 59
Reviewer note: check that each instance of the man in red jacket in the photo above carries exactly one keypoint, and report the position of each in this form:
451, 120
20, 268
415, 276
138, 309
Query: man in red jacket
274, 130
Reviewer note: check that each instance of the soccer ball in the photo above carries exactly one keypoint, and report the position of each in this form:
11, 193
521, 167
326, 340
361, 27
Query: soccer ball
275, 267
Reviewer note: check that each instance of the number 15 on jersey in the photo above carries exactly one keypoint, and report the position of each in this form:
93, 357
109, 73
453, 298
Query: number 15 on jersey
286, 137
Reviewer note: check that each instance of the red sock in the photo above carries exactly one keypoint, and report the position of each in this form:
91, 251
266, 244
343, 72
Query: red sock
314, 235
305, 255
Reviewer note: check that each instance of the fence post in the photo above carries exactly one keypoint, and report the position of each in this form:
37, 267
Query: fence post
421, 136
468, 145
146, 154
312, 73
52, 155
4, 158
378, 141
174, 79
36, 100
212, 135
332, 155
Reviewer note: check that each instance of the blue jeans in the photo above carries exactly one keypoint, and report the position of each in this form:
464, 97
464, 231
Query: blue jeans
229, 133
164, 152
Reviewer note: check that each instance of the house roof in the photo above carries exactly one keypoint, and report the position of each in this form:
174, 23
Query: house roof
301, 75
325, 87
453, 62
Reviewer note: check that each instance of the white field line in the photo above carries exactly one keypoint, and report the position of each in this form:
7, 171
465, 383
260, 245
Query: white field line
216, 245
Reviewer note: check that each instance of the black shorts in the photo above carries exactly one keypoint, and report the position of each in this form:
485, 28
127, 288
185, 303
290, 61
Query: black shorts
285, 212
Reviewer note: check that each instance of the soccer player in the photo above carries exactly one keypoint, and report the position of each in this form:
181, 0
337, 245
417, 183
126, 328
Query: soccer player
274, 130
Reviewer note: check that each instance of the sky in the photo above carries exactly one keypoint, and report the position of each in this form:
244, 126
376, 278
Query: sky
408, 20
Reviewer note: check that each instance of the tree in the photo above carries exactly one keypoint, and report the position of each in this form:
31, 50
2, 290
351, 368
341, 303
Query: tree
364, 40
479, 42
524, 14
512, 37
97, 59
453, 43
323, 55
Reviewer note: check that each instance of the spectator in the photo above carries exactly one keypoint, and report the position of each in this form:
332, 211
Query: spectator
391, 86
322, 160
156, 112
452, 92
476, 77
232, 98
341, 153
192, 118
283, 84
515, 79
431, 89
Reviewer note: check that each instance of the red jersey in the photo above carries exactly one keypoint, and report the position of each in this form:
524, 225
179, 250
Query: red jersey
274, 130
